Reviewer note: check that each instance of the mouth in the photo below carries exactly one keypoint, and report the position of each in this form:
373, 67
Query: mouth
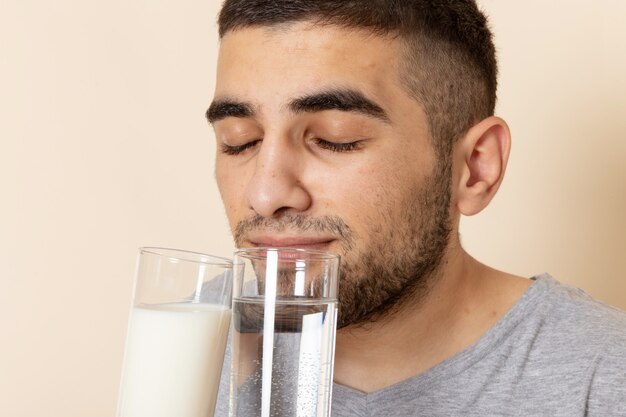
298, 242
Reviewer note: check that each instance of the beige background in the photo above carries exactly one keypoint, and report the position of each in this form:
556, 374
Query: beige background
104, 149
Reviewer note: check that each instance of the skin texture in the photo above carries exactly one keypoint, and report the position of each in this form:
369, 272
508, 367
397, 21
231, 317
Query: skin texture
361, 181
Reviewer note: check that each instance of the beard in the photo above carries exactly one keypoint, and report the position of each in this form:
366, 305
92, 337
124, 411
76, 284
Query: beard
396, 262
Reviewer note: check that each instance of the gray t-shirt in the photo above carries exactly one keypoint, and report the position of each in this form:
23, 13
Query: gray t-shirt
556, 353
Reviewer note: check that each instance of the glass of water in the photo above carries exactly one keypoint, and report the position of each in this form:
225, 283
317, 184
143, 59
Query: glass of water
283, 332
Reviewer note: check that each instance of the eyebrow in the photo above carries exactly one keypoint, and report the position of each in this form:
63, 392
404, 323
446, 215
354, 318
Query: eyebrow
347, 100
221, 109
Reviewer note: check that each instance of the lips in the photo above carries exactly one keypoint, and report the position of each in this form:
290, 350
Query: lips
318, 243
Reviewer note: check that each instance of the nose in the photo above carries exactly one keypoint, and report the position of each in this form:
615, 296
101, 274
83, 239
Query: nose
276, 184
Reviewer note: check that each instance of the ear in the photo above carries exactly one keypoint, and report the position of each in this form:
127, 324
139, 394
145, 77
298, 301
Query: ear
480, 158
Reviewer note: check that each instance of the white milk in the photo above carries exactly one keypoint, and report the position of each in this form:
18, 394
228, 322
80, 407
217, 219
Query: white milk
173, 360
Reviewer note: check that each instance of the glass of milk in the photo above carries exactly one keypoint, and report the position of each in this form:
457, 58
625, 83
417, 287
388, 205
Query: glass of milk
177, 334
283, 332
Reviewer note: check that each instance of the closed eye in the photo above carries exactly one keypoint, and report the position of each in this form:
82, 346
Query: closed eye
338, 146
237, 149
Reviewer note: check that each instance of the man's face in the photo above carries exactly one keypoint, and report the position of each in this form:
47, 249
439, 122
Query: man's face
320, 146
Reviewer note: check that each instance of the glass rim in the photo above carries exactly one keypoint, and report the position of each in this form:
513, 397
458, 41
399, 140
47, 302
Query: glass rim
319, 255
187, 256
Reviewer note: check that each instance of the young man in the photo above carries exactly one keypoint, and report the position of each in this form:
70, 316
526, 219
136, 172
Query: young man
366, 127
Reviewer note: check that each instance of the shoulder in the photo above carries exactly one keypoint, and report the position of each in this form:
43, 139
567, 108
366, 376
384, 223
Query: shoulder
572, 310
589, 338
574, 347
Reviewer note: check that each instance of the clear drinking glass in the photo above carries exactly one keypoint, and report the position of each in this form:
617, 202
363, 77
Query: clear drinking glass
283, 332
176, 334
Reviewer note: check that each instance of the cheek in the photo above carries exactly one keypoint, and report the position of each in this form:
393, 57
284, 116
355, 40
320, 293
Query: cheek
387, 188
360, 195
232, 186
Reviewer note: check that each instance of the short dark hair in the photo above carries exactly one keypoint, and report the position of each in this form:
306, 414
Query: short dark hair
449, 67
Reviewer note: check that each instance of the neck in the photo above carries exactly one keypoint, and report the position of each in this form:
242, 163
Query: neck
463, 302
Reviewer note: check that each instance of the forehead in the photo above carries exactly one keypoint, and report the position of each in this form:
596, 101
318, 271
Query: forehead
274, 64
